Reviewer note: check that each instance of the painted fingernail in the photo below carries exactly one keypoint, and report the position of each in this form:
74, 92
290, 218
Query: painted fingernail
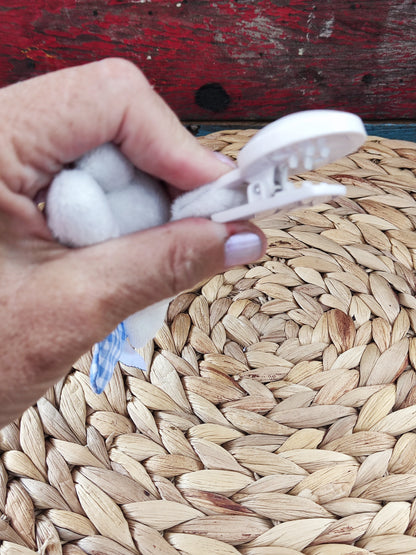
224, 159
242, 248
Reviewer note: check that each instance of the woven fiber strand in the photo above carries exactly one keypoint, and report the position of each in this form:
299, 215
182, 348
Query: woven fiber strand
278, 414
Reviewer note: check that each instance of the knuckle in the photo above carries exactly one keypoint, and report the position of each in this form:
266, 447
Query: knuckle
181, 268
120, 71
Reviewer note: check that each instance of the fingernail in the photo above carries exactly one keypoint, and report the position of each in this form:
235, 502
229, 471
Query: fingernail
224, 159
242, 248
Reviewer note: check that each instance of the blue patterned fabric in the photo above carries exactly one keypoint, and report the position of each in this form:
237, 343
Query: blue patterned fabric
105, 356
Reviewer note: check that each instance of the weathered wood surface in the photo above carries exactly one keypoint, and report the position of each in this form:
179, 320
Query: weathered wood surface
228, 59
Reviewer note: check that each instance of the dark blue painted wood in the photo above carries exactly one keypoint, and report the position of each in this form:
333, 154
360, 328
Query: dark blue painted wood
402, 131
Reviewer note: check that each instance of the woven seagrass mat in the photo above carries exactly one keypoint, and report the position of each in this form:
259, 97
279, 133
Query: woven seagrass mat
278, 414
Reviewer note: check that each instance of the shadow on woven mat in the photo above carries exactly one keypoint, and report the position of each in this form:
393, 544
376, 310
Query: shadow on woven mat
278, 415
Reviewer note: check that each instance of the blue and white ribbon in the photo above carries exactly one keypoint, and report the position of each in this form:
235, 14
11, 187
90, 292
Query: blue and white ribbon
105, 356
114, 348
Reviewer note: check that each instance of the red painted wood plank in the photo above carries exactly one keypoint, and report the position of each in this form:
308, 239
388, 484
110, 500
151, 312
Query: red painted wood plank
230, 59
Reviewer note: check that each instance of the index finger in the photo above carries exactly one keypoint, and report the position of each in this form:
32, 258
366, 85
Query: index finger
51, 120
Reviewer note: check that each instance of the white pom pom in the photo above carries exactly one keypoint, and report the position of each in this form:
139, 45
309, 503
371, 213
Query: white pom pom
77, 210
108, 166
143, 204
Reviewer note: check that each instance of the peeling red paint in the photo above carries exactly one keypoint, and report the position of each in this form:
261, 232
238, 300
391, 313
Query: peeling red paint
270, 56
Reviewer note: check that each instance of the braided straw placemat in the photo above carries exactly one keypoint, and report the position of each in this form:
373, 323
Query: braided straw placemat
278, 415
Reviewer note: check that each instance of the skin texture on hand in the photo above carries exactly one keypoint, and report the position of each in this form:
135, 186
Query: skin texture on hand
55, 302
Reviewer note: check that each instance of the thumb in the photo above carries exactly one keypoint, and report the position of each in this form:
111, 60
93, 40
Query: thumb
90, 290
127, 274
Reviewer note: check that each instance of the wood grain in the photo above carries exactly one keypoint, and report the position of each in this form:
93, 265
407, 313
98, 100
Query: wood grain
229, 59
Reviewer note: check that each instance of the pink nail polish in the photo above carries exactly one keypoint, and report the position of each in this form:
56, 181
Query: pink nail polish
225, 159
242, 248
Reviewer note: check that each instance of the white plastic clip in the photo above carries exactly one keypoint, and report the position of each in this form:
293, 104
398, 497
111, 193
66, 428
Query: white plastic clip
291, 145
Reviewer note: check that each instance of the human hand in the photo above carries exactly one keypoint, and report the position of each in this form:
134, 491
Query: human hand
55, 302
